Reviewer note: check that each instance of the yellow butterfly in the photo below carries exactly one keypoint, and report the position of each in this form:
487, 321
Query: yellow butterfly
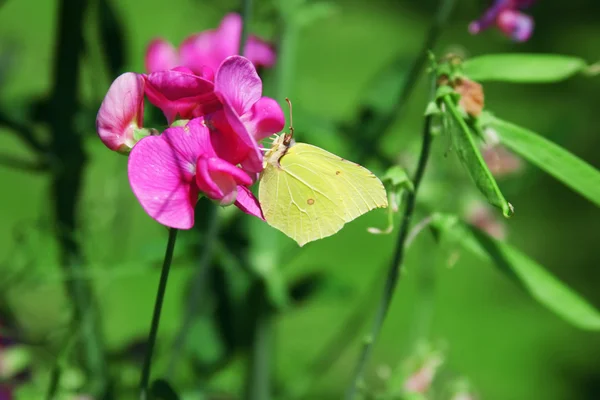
308, 193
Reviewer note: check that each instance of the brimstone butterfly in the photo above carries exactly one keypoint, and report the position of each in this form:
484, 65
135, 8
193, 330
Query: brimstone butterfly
308, 193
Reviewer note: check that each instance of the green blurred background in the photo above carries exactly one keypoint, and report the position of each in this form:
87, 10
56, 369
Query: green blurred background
505, 344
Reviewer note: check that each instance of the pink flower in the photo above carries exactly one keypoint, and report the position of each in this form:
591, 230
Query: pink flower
180, 93
121, 112
504, 13
480, 216
500, 161
421, 380
246, 116
209, 48
167, 173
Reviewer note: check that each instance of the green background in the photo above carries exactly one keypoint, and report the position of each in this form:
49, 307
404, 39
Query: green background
505, 344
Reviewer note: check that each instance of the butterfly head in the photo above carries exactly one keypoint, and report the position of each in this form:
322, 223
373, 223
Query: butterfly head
281, 144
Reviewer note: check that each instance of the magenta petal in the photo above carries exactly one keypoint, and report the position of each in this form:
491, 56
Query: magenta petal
489, 17
198, 51
180, 93
219, 179
161, 56
265, 118
254, 160
248, 203
225, 140
228, 36
237, 80
259, 52
516, 25
162, 181
211, 47
121, 112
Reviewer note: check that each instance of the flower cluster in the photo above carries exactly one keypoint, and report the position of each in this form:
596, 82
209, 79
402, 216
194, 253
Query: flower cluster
208, 49
507, 16
216, 119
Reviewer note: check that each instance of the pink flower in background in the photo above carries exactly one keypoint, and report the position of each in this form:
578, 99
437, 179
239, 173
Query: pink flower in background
246, 117
500, 161
209, 49
121, 112
481, 216
421, 380
167, 173
506, 15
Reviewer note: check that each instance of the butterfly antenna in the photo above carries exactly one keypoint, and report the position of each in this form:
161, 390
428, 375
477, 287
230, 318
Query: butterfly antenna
288, 137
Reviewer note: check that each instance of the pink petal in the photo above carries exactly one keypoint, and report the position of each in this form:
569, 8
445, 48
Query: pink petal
162, 180
516, 25
198, 51
248, 203
219, 179
226, 142
237, 80
228, 35
161, 56
180, 93
259, 52
264, 119
254, 158
121, 112
489, 17
210, 48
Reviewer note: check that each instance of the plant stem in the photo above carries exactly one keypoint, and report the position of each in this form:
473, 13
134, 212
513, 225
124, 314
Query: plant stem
68, 158
258, 382
396, 264
210, 239
160, 294
246, 17
372, 124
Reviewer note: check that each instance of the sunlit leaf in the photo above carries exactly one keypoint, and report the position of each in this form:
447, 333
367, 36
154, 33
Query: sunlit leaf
470, 156
558, 162
523, 68
527, 273
397, 178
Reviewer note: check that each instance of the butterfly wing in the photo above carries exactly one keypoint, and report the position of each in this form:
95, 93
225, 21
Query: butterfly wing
314, 193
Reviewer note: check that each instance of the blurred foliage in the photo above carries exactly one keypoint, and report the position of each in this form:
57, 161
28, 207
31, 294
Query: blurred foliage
508, 346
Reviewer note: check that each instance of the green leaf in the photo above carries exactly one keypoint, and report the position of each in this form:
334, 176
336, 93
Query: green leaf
397, 177
523, 68
528, 274
471, 158
558, 162
162, 390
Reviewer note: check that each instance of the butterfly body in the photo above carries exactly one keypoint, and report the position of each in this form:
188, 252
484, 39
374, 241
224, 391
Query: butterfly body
309, 193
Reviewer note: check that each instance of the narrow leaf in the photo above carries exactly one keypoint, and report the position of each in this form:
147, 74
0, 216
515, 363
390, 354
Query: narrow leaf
558, 162
471, 158
528, 274
397, 178
523, 68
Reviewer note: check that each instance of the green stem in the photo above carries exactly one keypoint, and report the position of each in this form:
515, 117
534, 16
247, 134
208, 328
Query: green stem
373, 125
160, 295
258, 382
246, 17
433, 34
395, 265
195, 297
286, 50
68, 158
